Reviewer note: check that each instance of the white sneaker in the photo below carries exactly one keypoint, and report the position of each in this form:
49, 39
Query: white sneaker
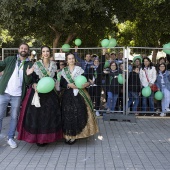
97, 113
168, 109
108, 110
12, 143
162, 114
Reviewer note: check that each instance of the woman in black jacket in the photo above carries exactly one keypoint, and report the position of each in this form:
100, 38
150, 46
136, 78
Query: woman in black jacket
95, 77
112, 85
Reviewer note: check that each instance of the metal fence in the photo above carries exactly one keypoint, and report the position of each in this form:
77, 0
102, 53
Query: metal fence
124, 59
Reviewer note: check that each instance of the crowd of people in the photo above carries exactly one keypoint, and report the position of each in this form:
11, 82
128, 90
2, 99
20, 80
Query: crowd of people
67, 111
141, 73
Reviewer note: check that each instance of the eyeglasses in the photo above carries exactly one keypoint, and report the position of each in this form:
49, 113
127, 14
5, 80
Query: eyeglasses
62, 64
161, 66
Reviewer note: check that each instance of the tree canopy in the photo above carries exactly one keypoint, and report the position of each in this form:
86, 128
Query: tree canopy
62, 19
150, 22
139, 23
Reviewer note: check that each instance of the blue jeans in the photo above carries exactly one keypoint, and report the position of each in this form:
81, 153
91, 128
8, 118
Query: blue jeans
166, 99
151, 102
15, 102
111, 100
133, 97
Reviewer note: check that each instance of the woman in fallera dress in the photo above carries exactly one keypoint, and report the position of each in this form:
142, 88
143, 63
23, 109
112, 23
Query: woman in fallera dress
78, 119
41, 124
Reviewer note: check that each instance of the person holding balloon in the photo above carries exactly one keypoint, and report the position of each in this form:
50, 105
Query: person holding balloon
160, 61
84, 64
163, 84
147, 76
40, 116
95, 75
78, 119
113, 86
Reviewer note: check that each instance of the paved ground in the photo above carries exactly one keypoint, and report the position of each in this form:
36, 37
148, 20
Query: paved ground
144, 145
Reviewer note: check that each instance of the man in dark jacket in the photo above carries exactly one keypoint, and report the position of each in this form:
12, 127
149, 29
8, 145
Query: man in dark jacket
16, 76
84, 64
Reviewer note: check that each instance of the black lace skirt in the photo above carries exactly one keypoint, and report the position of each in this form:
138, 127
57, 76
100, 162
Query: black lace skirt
74, 113
45, 119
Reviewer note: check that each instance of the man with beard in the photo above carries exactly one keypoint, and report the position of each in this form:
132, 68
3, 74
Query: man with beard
13, 83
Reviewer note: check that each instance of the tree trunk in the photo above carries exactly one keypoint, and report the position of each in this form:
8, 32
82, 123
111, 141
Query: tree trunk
155, 51
55, 41
70, 37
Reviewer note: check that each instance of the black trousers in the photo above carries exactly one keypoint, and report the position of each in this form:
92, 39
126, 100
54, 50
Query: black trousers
95, 94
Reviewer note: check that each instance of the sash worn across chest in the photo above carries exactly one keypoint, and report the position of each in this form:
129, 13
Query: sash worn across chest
81, 91
42, 69
68, 75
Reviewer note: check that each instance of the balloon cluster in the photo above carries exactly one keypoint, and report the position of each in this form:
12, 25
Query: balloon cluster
108, 43
146, 92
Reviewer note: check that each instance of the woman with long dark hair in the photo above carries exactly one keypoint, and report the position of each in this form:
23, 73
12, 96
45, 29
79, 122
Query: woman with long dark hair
147, 77
41, 123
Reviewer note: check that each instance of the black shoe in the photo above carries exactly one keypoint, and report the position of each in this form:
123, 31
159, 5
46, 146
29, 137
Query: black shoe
66, 141
41, 144
70, 142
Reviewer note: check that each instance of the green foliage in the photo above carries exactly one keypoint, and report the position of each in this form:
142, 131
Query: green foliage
150, 20
46, 18
131, 22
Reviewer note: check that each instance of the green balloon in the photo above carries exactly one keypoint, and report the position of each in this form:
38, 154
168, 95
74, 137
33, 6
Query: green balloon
121, 80
146, 91
166, 48
45, 85
79, 81
105, 42
107, 64
77, 42
158, 95
66, 48
112, 42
